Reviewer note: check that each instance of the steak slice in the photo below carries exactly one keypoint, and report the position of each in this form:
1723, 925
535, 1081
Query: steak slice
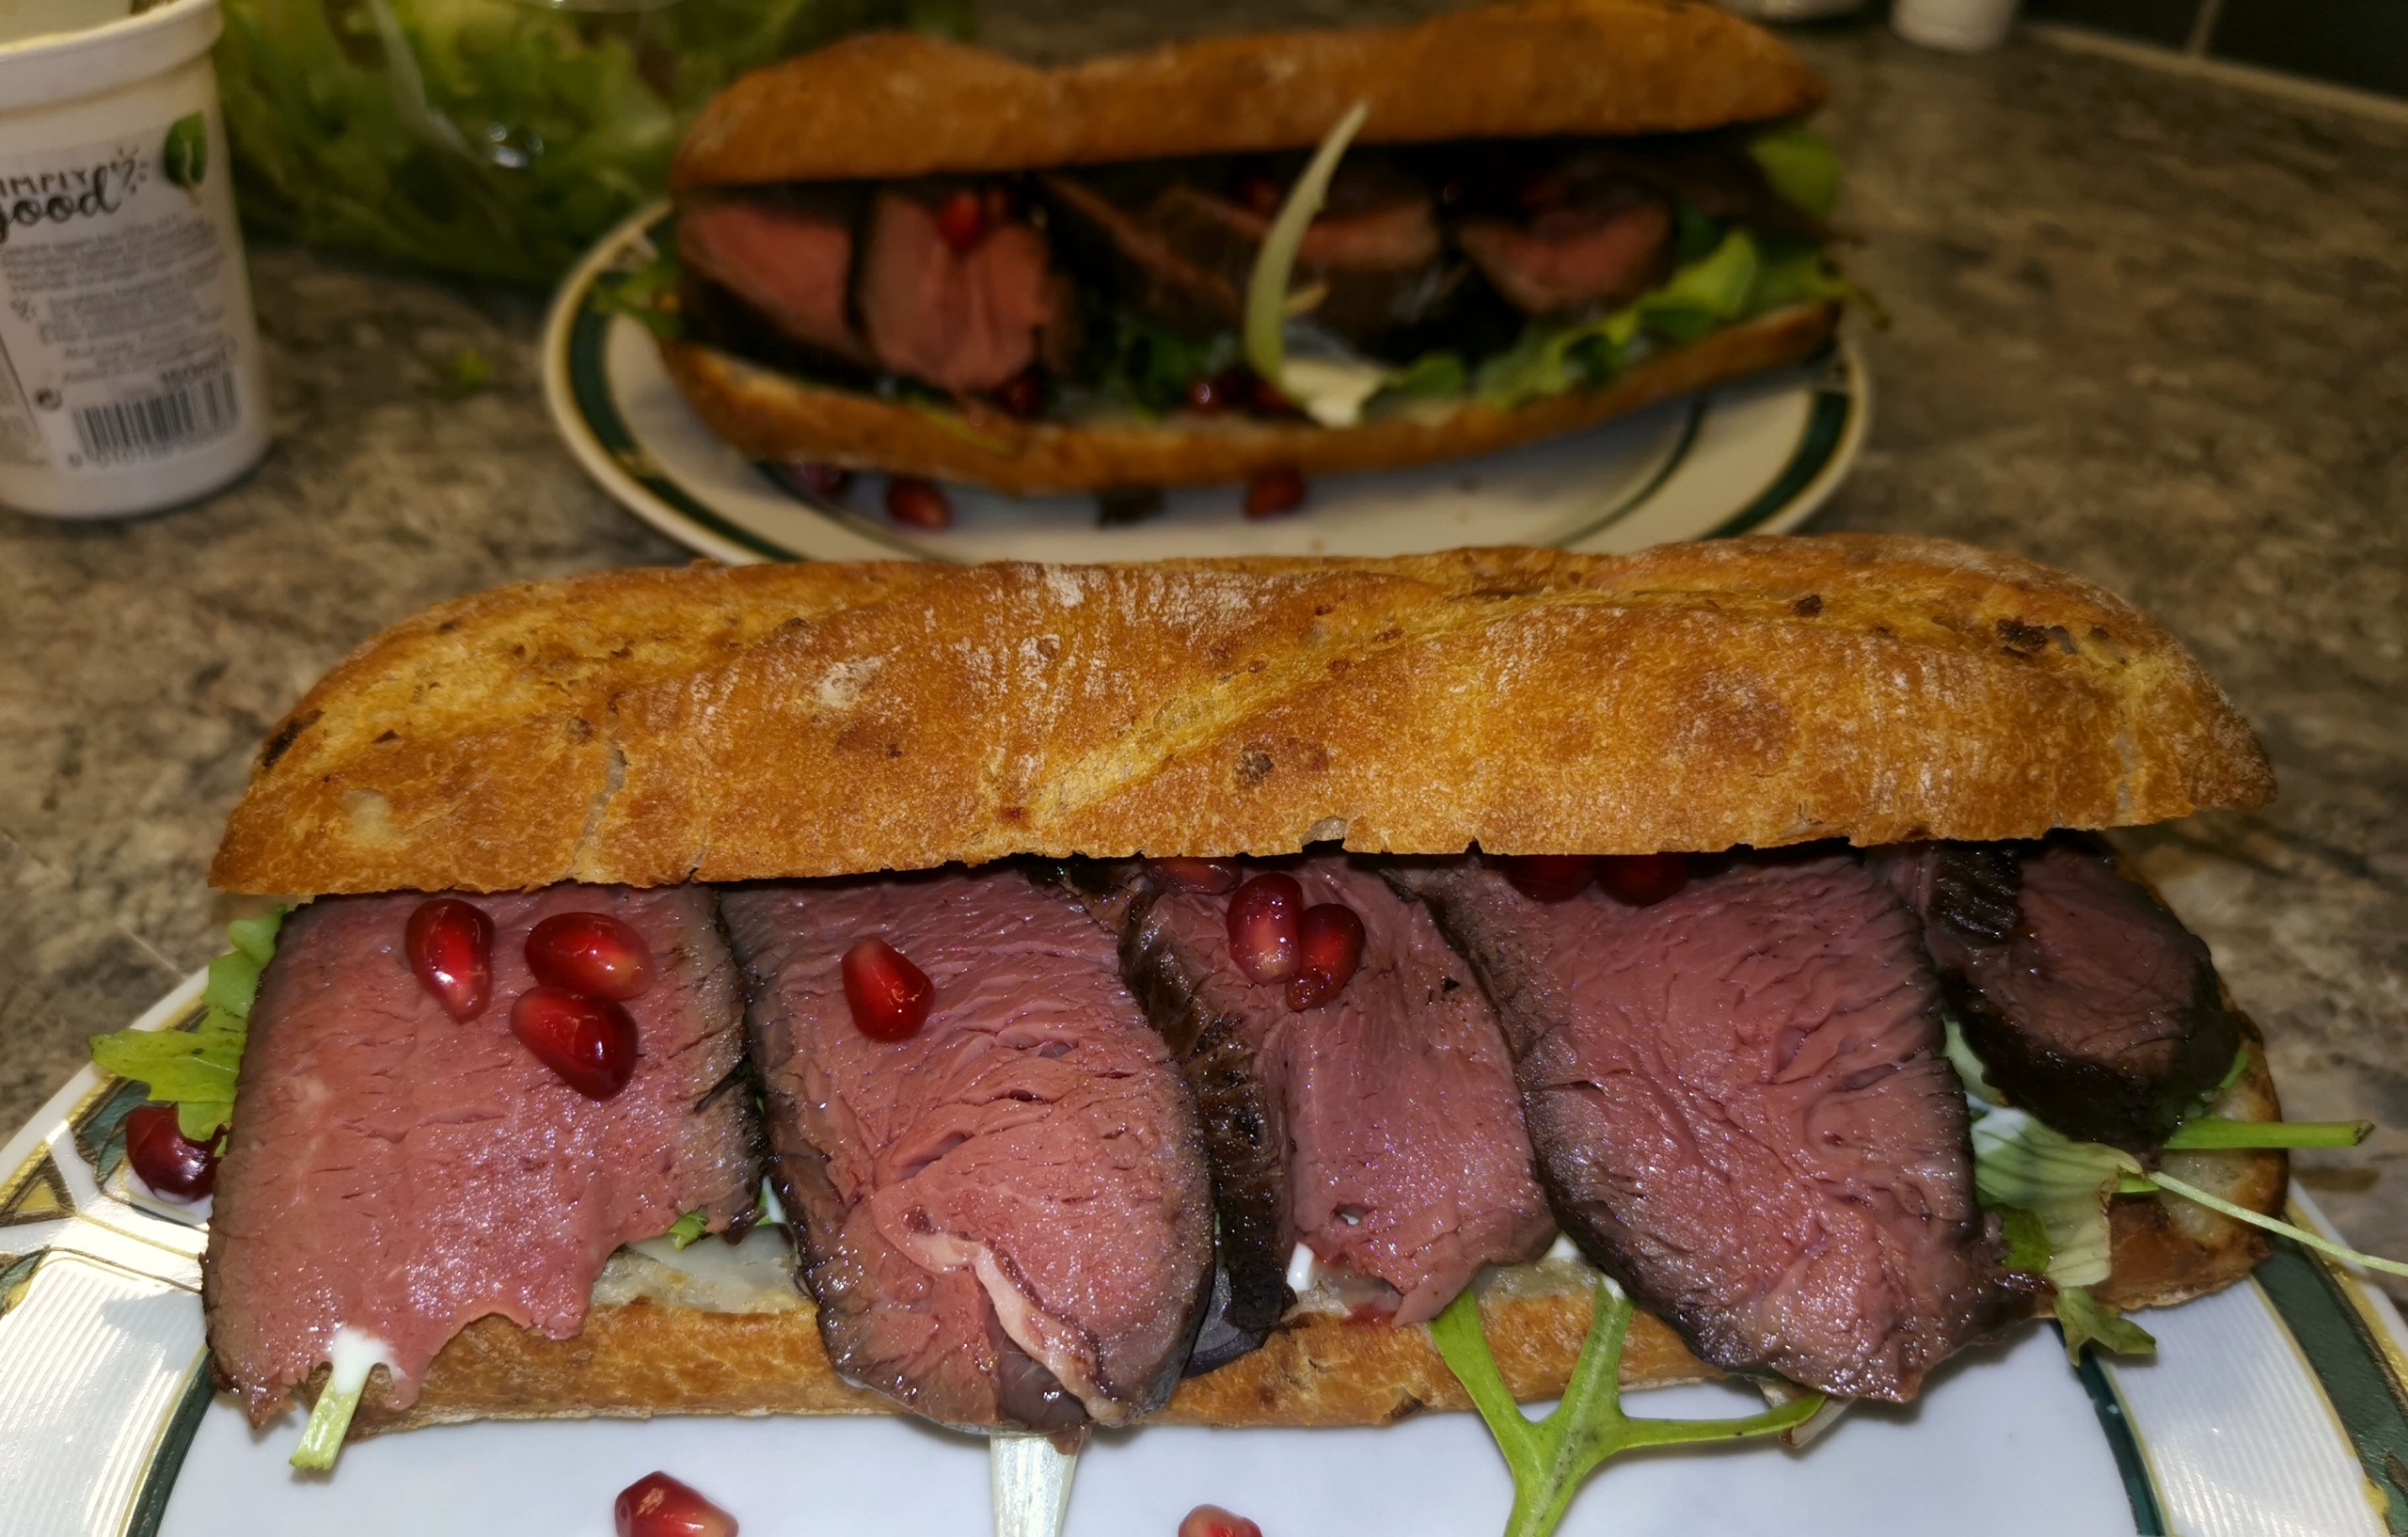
1380, 1129
399, 1173
1184, 255
1742, 1114
2088, 1003
1573, 259
1006, 1218
789, 263
961, 319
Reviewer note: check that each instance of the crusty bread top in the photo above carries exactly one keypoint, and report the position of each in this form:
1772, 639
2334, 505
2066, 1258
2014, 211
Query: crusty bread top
652, 726
899, 104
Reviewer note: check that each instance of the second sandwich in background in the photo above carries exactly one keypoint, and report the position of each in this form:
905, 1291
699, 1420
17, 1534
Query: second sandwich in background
904, 254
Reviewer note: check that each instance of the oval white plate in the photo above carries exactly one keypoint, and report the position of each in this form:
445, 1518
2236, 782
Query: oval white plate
1753, 456
2274, 1407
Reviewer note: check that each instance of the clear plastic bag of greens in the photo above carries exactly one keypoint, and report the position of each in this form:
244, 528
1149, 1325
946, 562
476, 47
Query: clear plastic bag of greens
496, 138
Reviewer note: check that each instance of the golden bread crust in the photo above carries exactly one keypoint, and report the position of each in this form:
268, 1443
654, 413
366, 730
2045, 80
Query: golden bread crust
655, 726
896, 105
768, 415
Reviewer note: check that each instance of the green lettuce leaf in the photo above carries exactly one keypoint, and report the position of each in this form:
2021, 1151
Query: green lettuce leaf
1802, 168
2027, 1240
2087, 1321
2020, 1164
1551, 1458
647, 296
1706, 293
689, 1229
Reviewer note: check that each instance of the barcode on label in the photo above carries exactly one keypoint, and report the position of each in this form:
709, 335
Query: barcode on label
156, 425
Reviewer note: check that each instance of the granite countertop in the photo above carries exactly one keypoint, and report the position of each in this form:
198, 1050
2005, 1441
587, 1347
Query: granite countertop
2143, 327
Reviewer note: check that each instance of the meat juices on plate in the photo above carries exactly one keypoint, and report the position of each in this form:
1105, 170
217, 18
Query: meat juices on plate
2088, 1003
1742, 1112
399, 1172
1380, 1128
1006, 1215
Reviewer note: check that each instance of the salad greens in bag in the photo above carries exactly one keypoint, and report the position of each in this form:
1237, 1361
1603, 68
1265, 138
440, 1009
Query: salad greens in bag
494, 138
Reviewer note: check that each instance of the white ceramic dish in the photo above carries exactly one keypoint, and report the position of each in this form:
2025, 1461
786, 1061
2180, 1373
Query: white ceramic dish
2276, 1407
1754, 456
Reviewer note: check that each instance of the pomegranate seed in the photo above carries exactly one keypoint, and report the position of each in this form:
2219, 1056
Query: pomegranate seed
889, 995
1265, 919
1273, 492
171, 1164
1212, 876
1260, 194
1329, 944
1212, 1521
1024, 394
917, 503
1000, 203
1208, 396
591, 953
450, 945
590, 1042
1642, 880
961, 219
657, 1505
1549, 878
1267, 400
823, 481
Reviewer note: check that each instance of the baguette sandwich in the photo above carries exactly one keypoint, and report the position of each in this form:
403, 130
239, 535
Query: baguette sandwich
906, 254
1104, 1175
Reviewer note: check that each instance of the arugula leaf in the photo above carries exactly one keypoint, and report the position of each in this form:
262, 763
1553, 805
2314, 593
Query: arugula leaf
1331, 389
2087, 1321
195, 1070
688, 1230
1551, 1458
2217, 1132
1149, 366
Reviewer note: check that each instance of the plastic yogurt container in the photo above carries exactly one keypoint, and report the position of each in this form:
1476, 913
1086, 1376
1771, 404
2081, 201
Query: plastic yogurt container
129, 370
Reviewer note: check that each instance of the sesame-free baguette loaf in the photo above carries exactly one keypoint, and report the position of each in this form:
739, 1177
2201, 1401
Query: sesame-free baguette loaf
864, 108
655, 726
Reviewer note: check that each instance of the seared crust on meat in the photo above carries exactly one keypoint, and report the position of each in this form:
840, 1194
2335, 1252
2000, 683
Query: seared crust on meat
773, 416
654, 726
862, 107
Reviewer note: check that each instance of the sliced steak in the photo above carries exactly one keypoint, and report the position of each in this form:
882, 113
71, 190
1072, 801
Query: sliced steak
1380, 1129
961, 319
2088, 1003
1007, 1217
1573, 259
396, 1172
1185, 255
1741, 1112
789, 264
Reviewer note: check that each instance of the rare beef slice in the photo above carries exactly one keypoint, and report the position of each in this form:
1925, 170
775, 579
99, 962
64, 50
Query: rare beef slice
1006, 1218
1380, 1129
2088, 1003
399, 1173
1742, 1112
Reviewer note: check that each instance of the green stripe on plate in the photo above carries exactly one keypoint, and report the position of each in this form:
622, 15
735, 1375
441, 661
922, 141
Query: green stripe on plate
590, 381
2357, 1374
150, 1503
2149, 1518
1826, 426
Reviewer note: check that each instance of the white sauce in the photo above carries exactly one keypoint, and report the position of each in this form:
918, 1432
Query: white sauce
353, 1354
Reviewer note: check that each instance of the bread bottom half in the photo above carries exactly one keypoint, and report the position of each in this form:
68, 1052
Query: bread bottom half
774, 416
638, 1359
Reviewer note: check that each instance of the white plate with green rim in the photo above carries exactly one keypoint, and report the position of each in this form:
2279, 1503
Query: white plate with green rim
1756, 455
2279, 1406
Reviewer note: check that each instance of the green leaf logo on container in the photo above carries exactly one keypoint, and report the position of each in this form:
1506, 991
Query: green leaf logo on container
183, 159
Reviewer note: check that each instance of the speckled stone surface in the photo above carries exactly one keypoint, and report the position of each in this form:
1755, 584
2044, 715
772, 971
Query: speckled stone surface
2146, 328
